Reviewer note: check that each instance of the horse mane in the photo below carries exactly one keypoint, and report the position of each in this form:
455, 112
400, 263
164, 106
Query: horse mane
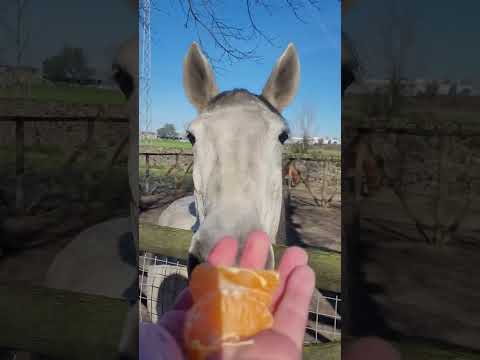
237, 97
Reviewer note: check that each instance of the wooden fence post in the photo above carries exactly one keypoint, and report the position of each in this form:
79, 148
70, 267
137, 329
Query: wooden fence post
147, 165
19, 166
90, 155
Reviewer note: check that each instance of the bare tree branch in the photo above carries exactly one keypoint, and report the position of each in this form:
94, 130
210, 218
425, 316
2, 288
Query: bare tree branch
295, 7
304, 126
397, 32
18, 33
254, 26
230, 36
221, 33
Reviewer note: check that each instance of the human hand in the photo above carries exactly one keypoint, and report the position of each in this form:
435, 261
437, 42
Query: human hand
290, 306
290, 301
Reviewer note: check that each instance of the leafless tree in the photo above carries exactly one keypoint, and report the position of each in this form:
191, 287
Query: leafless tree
445, 218
185, 126
304, 126
397, 32
18, 32
237, 39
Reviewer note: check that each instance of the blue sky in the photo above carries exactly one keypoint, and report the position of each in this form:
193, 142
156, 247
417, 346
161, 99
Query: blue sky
444, 44
317, 42
55, 23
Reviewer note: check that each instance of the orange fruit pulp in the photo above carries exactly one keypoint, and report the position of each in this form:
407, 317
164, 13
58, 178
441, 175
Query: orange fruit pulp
229, 305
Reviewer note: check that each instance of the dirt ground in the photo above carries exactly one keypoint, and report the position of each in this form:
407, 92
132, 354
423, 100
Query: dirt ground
29, 265
312, 225
309, 224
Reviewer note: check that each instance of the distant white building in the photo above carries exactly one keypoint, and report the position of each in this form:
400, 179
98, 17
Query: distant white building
331, 141
144, 135
294, 140
179, 137
413, 87
314, 140
464, 88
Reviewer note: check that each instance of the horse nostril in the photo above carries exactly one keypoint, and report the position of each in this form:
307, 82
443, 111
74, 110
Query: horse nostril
192, 262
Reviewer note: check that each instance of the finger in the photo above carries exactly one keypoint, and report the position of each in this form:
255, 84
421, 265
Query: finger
224, 253
292, 257
290, 318
173, 321
255, 251
151, 336
184, 300
266, 345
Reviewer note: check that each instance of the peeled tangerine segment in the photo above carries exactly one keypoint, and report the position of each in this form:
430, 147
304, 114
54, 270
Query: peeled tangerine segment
207, 278
230, 305
225, 316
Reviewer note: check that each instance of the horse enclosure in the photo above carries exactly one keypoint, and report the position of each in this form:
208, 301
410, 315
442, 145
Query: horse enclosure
314, 203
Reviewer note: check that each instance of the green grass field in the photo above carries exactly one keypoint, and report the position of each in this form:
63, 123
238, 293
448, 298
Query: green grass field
49, 159
154, 145
69, 94
318, 152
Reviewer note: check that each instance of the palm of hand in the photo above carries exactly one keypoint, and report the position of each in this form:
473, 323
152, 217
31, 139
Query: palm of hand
290, 310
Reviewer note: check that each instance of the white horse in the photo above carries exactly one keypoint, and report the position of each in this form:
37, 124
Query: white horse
102, 260
237, 142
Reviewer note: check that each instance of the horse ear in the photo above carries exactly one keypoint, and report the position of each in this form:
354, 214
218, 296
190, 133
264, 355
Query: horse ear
283, 82
198, 78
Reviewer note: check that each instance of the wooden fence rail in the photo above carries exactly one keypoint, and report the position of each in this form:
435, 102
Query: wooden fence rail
286, 156
415, 131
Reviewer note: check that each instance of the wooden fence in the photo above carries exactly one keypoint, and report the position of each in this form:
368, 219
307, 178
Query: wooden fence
21, 112
178, 154
325, 198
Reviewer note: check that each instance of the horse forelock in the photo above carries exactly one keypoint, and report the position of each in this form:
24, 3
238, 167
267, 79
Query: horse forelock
240, 97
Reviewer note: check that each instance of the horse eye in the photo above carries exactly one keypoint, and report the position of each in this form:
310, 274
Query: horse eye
283, 137
190, 138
